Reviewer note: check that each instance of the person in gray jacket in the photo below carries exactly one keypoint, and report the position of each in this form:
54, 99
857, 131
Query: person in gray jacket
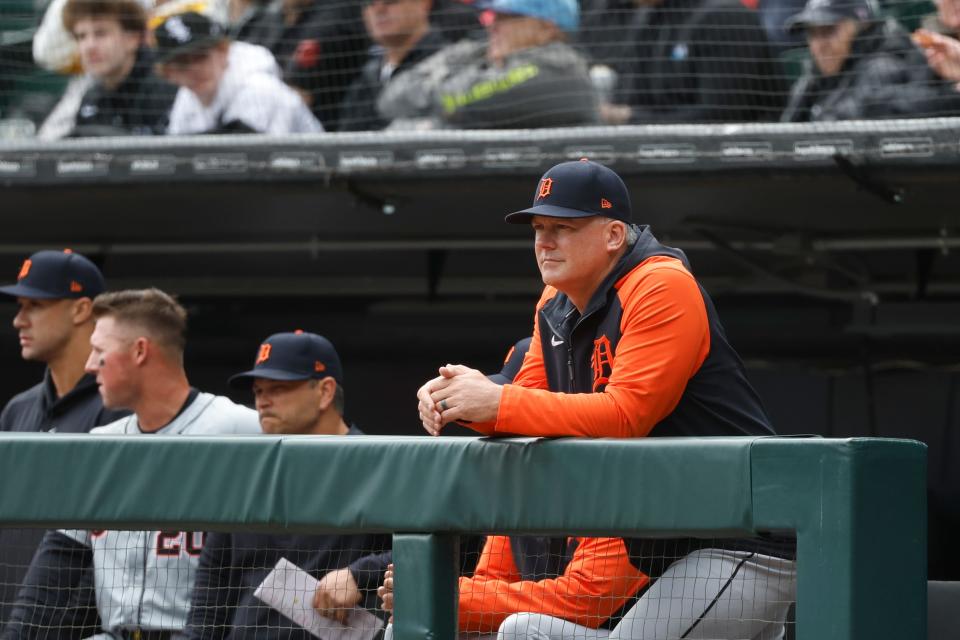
862, 67
524, 75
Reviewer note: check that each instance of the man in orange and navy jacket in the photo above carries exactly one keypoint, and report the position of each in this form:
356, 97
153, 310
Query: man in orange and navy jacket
626, 343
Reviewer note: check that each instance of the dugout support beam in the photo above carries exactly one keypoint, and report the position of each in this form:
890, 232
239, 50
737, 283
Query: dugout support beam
426, 589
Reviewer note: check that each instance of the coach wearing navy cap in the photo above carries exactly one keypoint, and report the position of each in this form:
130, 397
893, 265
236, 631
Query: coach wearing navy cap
625, 344
297, 387
54, 291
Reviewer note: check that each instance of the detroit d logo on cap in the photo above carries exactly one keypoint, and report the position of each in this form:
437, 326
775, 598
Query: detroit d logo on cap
545, 186
264, 354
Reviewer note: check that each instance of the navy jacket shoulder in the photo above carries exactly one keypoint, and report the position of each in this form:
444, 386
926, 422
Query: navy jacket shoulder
39, 409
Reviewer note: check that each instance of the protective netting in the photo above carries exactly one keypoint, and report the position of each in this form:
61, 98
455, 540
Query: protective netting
105, 67
162, 584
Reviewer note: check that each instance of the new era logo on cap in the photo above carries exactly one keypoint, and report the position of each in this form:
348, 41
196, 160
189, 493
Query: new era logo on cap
578, 189
56, 274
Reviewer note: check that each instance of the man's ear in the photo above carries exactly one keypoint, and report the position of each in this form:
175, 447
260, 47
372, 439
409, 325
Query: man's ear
328, 388
141, 349
616, 236
81, 311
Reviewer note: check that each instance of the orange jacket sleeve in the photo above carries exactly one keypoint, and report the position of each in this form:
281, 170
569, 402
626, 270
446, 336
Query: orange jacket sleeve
531, 374
598, 581
665, 337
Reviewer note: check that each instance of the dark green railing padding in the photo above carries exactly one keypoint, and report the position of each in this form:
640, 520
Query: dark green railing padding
427, 585
857, 506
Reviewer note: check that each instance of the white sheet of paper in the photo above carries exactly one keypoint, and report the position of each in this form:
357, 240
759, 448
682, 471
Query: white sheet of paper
289, 589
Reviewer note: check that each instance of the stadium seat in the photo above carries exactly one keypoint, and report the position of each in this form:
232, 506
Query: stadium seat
943, 610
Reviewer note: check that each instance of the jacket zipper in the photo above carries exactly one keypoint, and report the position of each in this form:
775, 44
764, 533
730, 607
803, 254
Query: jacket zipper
569, 341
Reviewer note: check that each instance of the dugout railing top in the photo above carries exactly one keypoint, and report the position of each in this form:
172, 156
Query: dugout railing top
857, 506
930, 142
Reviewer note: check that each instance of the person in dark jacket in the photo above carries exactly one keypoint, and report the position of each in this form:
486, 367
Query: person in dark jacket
319, 45
403, 37
940, 44
861, 67
626, 343
127, 97
696, 61
54, 291
297, 383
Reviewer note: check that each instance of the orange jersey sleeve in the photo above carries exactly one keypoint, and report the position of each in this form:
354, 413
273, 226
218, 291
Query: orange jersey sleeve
665, 337
598, 581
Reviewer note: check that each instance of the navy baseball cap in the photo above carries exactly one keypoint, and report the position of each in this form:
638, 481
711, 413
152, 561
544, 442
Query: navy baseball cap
54, 275
563, 13
823, 13
184, 33
512, 363
577, 189
296, 355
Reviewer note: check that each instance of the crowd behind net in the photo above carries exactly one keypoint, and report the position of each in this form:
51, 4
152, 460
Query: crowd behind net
160, 585
81, 68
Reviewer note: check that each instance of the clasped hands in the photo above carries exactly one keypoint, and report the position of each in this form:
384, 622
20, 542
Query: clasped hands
458, 394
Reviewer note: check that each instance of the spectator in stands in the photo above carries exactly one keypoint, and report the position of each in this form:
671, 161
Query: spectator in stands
943, 55
525, 75
401, 30
320, 46
862, 66
297, 382
218, 94
627, 344
939, 41
126, 96
142, 579
54, 49
696, 61
54, 292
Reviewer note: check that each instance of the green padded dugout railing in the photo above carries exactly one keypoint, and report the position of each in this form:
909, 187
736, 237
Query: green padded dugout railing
858, 506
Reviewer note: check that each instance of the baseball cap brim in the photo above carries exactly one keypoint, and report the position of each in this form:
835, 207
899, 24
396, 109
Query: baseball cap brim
201, 43
524, 216
245, 380
813, 18
23, 291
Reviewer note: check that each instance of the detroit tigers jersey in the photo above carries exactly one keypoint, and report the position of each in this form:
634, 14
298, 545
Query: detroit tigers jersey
144, 579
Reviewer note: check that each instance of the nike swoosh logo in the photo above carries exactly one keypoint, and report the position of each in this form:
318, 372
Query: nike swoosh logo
554, 342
